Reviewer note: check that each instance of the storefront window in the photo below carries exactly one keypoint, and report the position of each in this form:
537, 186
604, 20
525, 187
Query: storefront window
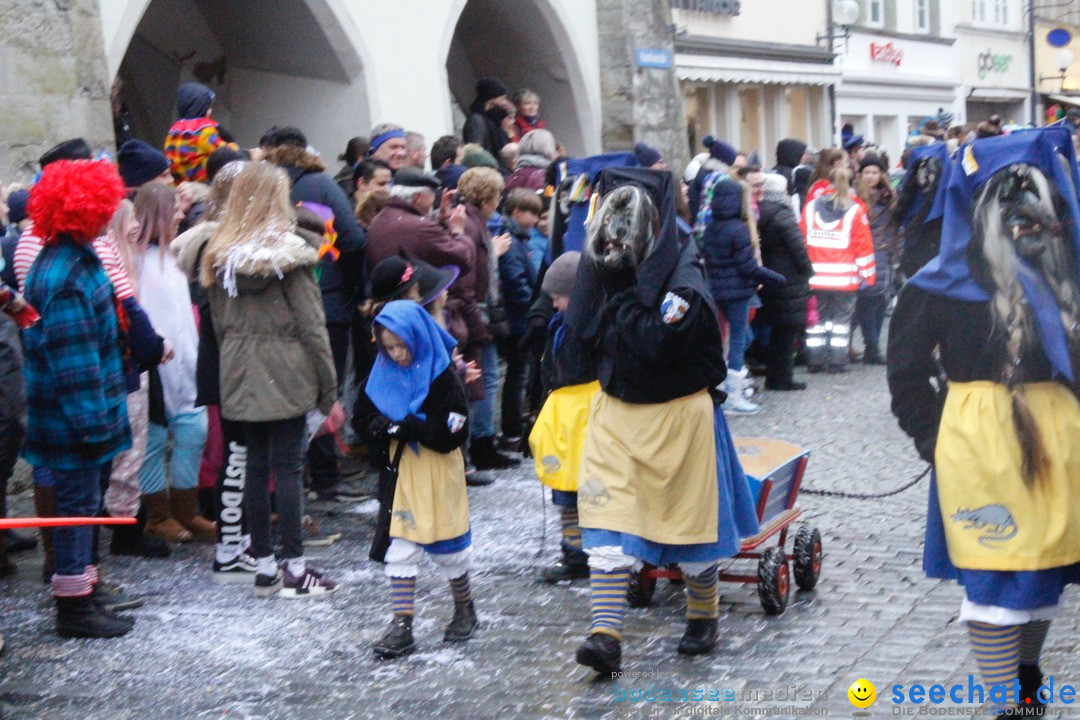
798, 113
751, 101
696, 101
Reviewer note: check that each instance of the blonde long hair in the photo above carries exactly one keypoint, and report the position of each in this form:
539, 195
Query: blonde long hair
840, 194
993, 253
257, 211
120, 228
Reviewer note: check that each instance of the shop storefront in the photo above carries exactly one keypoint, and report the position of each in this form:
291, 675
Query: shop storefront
997, 76
890, 83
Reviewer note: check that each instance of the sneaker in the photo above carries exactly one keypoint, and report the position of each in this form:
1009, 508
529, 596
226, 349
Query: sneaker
240, 569
268, 585
308, 584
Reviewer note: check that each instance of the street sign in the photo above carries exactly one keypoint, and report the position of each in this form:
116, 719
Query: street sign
653, 58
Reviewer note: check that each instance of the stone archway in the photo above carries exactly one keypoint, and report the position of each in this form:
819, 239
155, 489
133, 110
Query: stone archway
289, 62
525, 44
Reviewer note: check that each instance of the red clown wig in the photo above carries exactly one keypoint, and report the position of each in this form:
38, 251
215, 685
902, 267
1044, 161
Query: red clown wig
75, 198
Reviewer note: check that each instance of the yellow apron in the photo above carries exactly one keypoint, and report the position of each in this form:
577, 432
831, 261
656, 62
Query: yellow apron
430, 502
992, 520
557, 439
650, 470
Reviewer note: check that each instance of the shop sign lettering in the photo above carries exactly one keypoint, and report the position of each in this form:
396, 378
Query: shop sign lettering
718, 7
886, 52
989, 62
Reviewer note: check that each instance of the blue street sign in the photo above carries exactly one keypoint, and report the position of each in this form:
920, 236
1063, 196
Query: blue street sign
653, 58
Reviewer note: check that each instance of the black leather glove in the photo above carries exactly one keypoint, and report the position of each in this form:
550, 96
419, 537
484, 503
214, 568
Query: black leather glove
378, 428
405, 431
926, 447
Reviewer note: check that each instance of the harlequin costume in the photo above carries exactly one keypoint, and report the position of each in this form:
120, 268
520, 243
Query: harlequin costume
998, 304
194, 137
659, 480
418, 415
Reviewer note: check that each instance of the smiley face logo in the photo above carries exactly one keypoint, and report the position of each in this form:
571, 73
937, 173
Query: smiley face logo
862, 693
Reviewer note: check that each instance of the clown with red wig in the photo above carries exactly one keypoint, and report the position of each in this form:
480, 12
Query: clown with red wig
76, 394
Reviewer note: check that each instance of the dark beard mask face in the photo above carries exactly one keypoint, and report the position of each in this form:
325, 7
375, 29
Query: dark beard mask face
623, 232
1024, 219
926, 174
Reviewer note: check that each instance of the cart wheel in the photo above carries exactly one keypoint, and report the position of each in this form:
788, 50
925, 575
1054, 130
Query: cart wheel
639, 592
807, 557
774, 581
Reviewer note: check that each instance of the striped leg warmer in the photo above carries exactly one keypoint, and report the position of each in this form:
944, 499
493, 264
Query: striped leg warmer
402, 595
996, 649
608, 600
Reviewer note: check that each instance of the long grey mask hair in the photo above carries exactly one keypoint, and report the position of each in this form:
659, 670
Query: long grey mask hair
623, 231
1019, 214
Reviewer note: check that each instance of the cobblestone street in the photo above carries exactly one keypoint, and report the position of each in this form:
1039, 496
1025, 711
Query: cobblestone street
202, 650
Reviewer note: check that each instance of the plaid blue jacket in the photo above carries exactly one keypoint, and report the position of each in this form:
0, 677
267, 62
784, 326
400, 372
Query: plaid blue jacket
75, 391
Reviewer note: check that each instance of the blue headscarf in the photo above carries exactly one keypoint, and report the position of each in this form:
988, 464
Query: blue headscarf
949, 275
400, 391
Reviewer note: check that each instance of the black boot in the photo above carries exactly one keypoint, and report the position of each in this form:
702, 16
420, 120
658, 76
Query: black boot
1031, 678
601, 652
398, 640
132, 540
484, 456
700, 636
79, 617
573, 566
20, 543
463, 624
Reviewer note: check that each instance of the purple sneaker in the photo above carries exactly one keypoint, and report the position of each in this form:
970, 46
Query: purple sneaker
311, 583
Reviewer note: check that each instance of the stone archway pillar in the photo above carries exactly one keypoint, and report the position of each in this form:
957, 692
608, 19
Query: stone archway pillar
55, 84
640, 104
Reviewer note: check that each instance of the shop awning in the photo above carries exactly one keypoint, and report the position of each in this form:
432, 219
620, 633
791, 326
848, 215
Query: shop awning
718, 68
996, 94
1067, 99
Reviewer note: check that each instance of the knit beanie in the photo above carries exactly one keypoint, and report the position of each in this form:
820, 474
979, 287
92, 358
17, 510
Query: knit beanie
559, 279
16, 203
140, 162
489, 88
647, 156
720, 150
476, 156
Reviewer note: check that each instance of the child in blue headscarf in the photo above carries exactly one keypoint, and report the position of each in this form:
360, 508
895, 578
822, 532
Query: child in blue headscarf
415, 408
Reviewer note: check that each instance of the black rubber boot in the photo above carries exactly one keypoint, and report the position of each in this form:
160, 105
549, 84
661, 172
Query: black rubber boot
79, 617
700, 636
463, 624
398, 640
485, 456
601, 652
132, 540
573, 566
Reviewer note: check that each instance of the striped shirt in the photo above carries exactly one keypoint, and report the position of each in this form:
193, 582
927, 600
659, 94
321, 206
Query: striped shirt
29, 248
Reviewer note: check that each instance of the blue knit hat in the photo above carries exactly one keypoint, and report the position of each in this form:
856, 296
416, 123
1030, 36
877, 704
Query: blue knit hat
646, 156
720, 150
16, 203
140, 162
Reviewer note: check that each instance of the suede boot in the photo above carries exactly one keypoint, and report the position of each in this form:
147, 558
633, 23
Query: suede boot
79, 617
184, 506
45, 506
159, 522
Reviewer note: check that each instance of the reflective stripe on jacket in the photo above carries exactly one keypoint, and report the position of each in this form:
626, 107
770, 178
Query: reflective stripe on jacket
842, 251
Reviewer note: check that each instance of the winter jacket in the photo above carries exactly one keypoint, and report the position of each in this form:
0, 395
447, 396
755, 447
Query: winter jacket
344, 180
539, 246
8, 243
789, 152
188, 248
839, 245
783, 250
517, 278
524, 125
530, 172
275, 350
342, 280
400, 227
883, 235
12, 384
471, 296
188, 146
732, 269
482, 129
76, 397
163, 287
